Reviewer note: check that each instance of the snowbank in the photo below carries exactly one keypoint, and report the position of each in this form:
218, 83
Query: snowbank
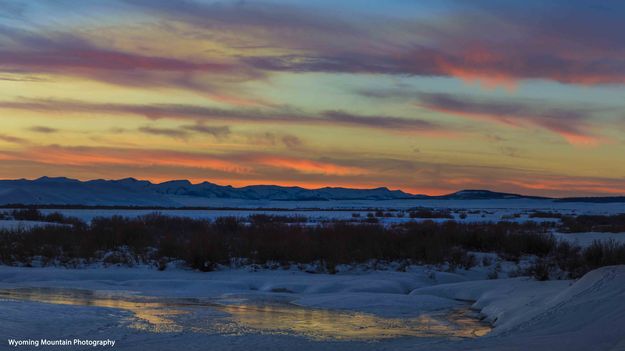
588, 314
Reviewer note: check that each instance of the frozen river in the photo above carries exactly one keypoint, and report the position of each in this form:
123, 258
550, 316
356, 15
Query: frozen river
253, 314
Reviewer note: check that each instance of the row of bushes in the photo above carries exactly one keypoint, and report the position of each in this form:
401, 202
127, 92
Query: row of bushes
202, 244
568, 223
32, 214
577, 261
419, 212
594, 223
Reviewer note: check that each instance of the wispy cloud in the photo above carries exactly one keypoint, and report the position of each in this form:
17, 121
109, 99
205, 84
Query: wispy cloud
273, 139
573, 124
85, 156
234, 163
204, 114
169, 132
31, 53
12, 139
573, 42
216, 131
309, 166
43, 129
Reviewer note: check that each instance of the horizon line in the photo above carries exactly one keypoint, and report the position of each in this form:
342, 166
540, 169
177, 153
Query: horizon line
154, 182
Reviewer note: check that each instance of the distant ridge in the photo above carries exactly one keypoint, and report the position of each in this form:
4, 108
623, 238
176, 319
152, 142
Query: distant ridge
175, 193
485, 195
593, 199
182, 193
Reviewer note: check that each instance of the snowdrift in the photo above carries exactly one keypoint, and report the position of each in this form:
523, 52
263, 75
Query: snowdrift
588, 314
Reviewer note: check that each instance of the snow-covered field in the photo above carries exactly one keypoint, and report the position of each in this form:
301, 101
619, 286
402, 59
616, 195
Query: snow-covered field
476, 210
423, 308
142, 308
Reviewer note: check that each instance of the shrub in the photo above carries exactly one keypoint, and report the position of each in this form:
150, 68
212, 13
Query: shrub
429, 213
545, 214
593, 223
494, 274
604, 253
539, 270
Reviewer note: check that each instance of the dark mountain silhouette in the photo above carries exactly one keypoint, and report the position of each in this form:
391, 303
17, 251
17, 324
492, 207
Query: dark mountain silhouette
182, 193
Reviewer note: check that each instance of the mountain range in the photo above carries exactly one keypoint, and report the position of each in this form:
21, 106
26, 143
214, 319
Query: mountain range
182, 193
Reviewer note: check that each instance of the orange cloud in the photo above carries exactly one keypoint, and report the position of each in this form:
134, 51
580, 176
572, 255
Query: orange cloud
476, 66
235, 164
580, 140
85, 156
489, 81
311, 167
565, 185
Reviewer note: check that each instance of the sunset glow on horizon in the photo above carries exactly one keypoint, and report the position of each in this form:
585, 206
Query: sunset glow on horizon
429, 97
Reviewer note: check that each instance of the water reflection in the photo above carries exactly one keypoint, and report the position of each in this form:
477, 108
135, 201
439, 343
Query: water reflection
147, 314
339, 325
161, 315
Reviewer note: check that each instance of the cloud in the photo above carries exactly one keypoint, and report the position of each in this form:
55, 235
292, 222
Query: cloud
216, 131
273, 139
487, 66
309, 166
43, 129
90, 60
495, 43
388, 122
230, 163
291, 141
169, 132
204, 114
571, 123
12, 139
28, 53
92, 156
21, 78
184, 132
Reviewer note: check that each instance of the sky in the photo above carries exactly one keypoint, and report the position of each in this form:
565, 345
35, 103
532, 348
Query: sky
428, 97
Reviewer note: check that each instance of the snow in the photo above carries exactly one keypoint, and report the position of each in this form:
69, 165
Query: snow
12, 224
516, 210
526, 314
493, 297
